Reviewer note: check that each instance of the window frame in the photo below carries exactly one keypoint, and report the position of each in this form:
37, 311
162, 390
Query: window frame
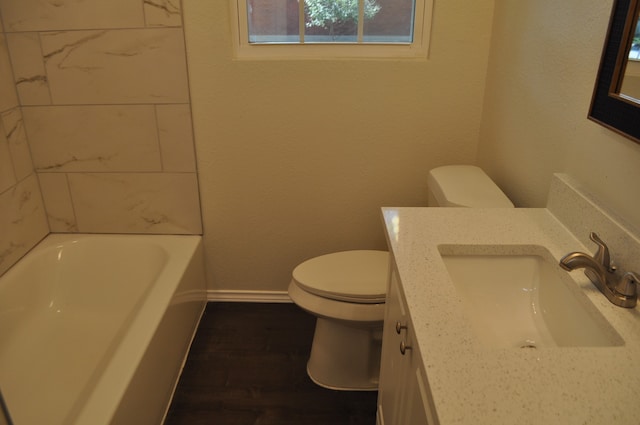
418, 49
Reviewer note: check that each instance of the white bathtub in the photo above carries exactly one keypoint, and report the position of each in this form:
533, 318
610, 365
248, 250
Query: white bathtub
94, 329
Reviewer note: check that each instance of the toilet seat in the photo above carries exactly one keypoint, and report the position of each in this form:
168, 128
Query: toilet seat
351, 276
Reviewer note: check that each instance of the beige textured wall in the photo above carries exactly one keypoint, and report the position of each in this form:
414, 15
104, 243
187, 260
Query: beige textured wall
295, 158
543, 64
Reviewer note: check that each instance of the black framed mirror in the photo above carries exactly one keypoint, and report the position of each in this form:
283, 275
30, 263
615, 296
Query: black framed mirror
610, 106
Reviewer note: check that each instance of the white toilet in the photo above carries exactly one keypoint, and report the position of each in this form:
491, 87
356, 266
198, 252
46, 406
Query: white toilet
346, 290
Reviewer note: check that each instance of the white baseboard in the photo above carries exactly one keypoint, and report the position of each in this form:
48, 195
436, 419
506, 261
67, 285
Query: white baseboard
248, 296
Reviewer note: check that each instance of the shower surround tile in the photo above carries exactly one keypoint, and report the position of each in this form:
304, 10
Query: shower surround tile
176, 138
15, 133
57, 202
100, 88
7, 177
28, 68
22, 218
39, 15
93, 138
21, 207
136, 203
163, 13
8, 97
116, 66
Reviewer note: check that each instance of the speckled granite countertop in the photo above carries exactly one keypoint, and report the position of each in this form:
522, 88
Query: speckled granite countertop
473, 384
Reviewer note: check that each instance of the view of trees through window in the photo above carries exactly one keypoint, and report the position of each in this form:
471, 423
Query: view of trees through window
331, 14
330, 21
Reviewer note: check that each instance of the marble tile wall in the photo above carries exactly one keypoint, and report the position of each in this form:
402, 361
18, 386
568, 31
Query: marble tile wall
23, 222
105, 104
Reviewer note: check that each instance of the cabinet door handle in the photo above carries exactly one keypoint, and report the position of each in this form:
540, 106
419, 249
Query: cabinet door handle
404, 347
400, 327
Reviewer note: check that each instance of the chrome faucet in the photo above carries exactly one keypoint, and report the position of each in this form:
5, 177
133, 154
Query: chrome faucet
620, 290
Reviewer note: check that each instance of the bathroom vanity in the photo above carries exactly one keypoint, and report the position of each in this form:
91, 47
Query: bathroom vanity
570, 358
403, 397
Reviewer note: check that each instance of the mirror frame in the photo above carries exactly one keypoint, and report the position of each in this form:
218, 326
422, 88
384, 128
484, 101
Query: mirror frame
608, 107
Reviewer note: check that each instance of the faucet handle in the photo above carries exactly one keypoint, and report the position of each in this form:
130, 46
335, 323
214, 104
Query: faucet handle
628, 285
602, 254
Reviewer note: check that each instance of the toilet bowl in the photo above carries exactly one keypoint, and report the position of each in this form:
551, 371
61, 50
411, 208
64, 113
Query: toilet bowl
346, 290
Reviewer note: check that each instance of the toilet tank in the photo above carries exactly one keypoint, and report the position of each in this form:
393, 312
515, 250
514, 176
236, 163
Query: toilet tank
464, 186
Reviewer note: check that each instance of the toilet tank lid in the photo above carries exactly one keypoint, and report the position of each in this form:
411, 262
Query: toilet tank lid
352, 276
465, 186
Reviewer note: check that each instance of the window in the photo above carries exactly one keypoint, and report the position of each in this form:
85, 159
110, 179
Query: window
634, 52
332, 28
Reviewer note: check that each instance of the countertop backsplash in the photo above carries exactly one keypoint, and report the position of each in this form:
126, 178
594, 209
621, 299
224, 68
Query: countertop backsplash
581, 213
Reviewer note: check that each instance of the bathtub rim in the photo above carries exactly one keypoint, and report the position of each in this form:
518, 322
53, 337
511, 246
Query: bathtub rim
104, 398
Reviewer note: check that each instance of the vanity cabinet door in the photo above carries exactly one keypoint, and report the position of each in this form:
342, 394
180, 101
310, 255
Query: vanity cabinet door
403, 393
393, 369
418, 410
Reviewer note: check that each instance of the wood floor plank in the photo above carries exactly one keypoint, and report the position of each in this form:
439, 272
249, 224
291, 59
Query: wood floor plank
247, 366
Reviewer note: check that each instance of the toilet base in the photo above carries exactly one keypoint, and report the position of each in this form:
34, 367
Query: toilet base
346, 355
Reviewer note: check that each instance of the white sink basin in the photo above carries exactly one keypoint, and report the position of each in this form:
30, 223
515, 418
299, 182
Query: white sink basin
524, 300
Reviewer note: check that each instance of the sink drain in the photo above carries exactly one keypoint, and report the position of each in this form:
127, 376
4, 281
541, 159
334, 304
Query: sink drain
528, 344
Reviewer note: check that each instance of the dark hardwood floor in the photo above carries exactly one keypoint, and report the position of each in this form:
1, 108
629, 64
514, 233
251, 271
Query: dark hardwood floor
247, 366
